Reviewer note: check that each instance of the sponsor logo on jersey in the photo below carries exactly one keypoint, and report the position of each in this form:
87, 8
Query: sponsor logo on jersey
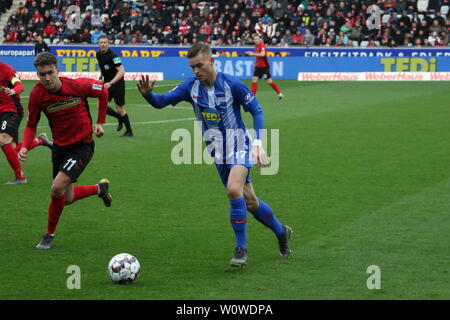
63, 105
220, 98
249, 97
211, 116
97, 86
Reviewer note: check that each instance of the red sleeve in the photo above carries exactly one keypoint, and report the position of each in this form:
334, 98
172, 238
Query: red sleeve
94, 88
18, 86
102, 106
34, 114
28, 137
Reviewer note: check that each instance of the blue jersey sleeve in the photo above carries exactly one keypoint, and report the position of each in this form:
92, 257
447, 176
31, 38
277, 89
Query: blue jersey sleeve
245, 97
248, 101
174, 96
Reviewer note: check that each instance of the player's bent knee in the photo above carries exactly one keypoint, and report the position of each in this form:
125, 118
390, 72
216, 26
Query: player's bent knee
234, 191
5, 139
121, 110
58, 189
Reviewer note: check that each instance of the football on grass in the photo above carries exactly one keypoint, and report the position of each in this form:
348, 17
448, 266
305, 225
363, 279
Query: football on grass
124, 268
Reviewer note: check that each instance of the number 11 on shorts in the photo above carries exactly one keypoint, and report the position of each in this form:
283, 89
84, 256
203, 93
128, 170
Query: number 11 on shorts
69, 164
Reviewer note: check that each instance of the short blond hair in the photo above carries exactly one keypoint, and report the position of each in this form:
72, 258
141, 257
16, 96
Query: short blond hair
199, 47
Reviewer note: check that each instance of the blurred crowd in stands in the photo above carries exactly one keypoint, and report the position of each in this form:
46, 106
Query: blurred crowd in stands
420, 23
5, 5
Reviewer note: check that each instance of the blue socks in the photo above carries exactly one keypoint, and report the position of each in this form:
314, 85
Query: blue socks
238, 219
265, 215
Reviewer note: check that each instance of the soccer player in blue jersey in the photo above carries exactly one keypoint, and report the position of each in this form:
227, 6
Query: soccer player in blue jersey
216, 98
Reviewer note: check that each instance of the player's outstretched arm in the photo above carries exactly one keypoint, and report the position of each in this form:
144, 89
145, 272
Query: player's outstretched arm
159, 101
145, 86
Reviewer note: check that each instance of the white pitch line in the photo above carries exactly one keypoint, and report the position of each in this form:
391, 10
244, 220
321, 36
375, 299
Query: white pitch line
143, 122
154, 122
148, 105
161, 85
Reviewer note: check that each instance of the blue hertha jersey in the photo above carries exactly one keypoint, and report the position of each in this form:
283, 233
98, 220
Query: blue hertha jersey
218, 109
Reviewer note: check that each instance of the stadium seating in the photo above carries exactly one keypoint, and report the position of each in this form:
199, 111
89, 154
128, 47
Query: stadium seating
227, 23
422, 5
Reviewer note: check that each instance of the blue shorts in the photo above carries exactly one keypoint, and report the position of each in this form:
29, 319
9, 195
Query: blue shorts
225, 169
241, 157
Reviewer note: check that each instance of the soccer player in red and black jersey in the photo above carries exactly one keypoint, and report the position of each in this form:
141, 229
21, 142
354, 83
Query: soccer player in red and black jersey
11, 114
262, 67
64, 102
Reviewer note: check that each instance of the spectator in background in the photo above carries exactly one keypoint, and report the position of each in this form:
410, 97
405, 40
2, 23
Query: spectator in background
308, 38
279, 10
433, 38
22, 12
400, 6
356, 32
170, 37
297, 38
40, 46
372, 43
50, 30
127, 36
389, 6
435, 27
86, 36
74, 36
345, 32
270, 29
96, 20
96, 34
240, 16
286, 37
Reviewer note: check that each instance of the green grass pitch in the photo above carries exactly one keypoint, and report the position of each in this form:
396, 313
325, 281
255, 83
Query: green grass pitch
363, 180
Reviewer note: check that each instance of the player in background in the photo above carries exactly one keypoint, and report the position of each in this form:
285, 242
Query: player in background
11, 114
216, 98
64, 103
113, 72
262, 67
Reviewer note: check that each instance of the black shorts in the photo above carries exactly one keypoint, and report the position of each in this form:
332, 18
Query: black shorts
262, 71
72, 159
10, 123
117, 91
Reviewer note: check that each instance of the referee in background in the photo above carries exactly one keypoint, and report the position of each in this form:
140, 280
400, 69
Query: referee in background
113, 73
